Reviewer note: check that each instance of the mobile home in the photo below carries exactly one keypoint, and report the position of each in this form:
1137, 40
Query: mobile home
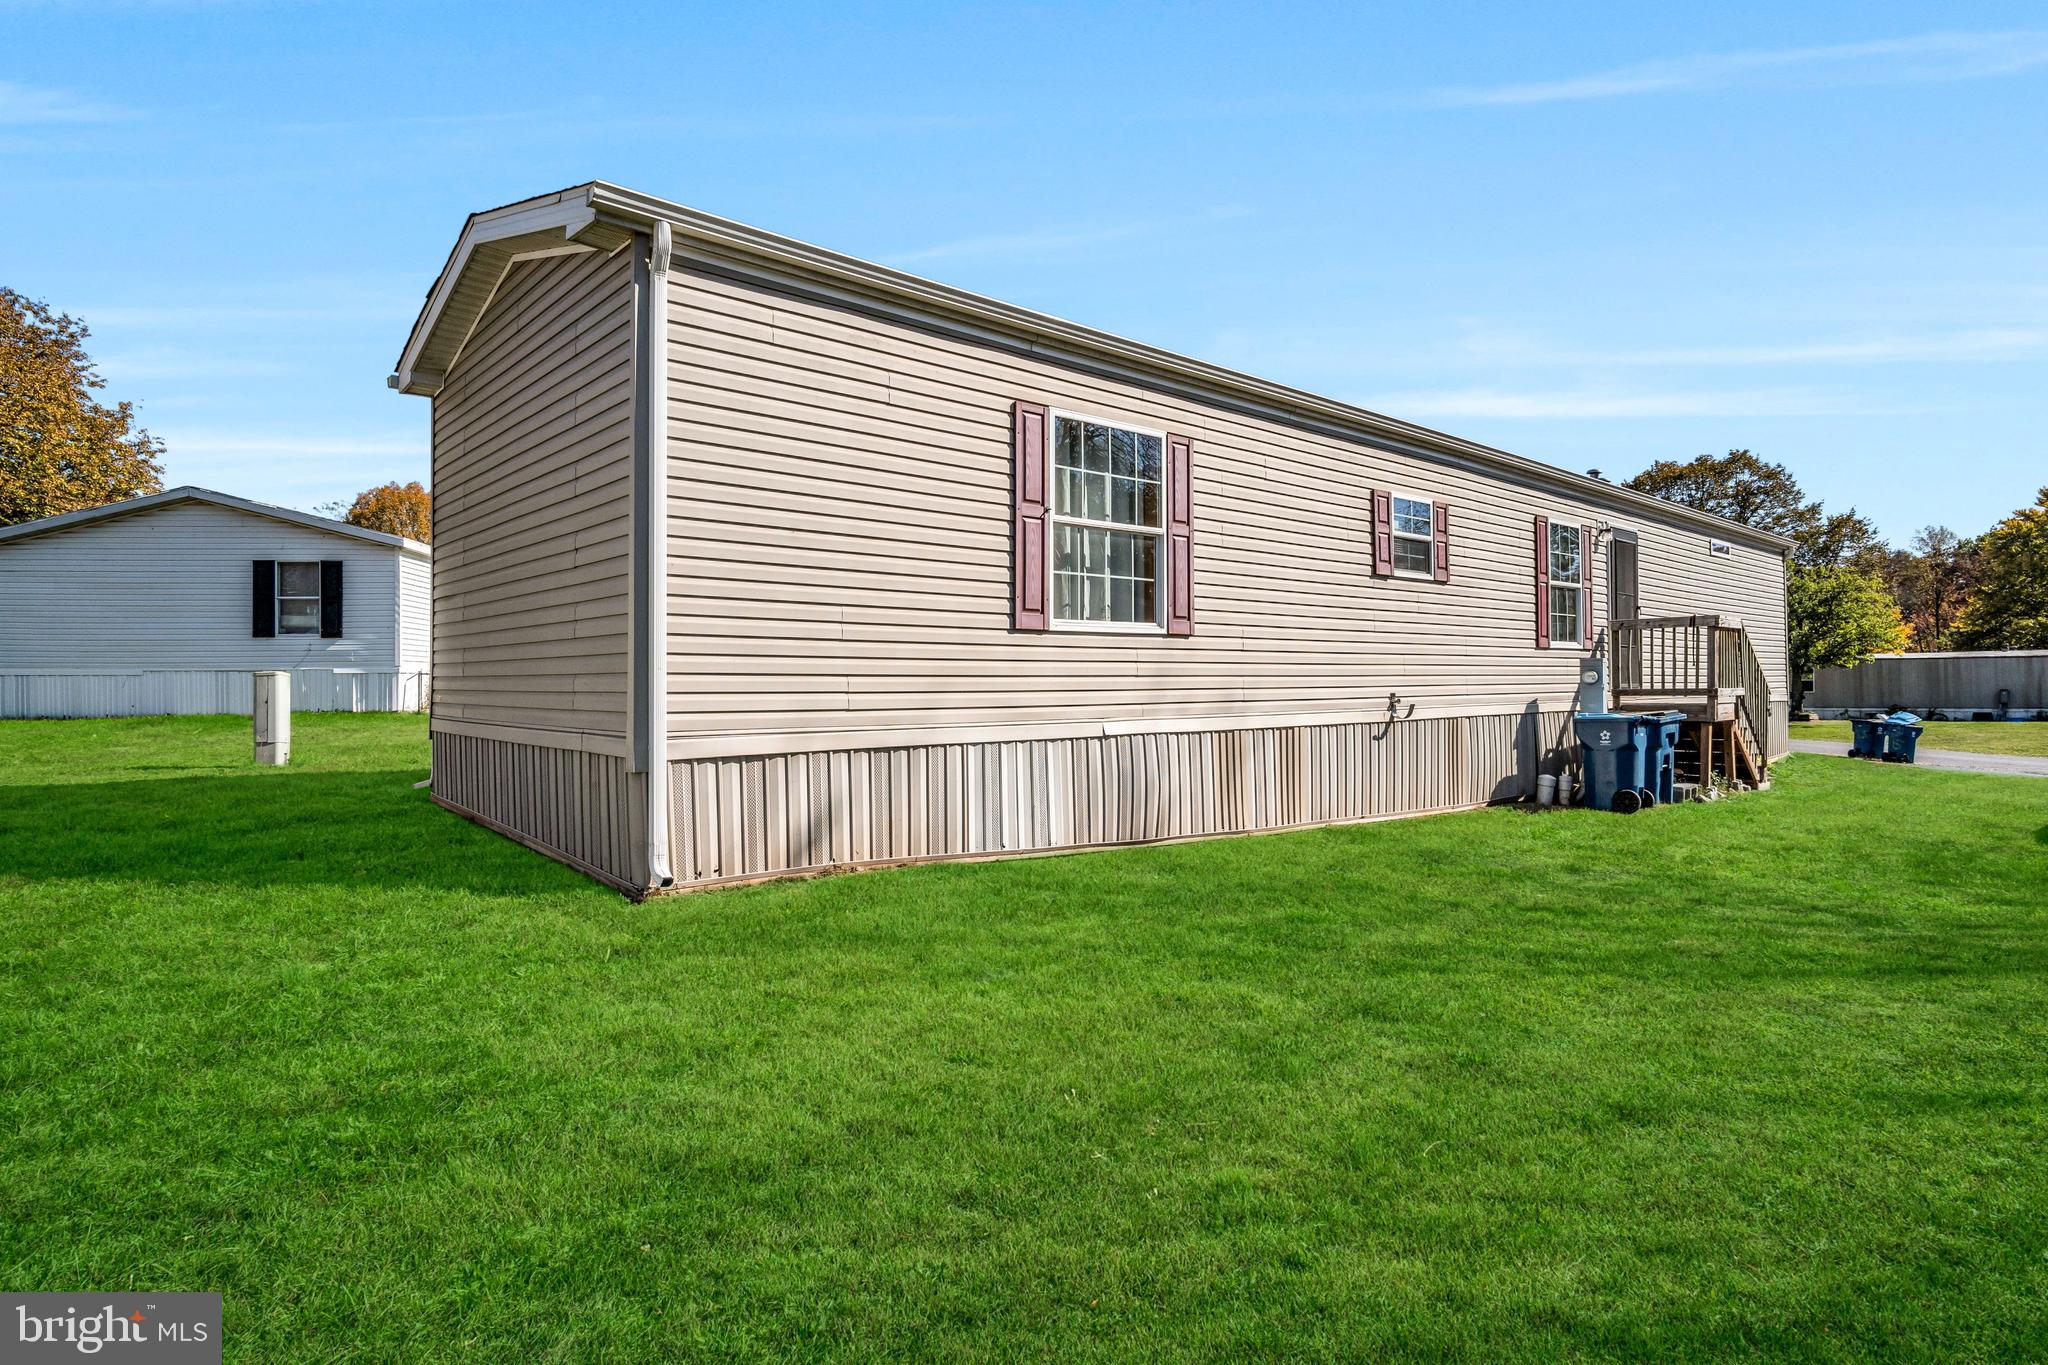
165, 604
754, 558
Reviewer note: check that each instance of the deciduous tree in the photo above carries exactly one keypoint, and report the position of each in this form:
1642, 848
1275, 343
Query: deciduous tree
1838, 617
395, 509
2009, 609
61, 449
1743, 487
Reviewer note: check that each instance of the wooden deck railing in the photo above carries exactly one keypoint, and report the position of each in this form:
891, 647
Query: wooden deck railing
1708, 658
1666, 656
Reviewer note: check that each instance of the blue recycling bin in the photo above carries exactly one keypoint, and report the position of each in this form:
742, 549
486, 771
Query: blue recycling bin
1901, 736
1661, 762
1867, 739
1616, 749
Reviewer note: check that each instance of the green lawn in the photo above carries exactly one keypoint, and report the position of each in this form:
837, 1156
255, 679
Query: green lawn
1765, 1078
2025, 737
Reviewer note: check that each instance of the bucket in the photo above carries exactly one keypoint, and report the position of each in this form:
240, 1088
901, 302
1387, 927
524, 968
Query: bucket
1564, 789
1546, 790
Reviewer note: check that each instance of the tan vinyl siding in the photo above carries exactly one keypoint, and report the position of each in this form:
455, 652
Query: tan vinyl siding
532, 504
839, 553
1681, 577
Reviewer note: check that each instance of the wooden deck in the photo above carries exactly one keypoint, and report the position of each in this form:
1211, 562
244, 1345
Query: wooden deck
1705, 668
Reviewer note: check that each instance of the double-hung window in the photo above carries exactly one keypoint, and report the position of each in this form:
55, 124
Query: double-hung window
1414, 537
1108, 521
1567, 581
298, 597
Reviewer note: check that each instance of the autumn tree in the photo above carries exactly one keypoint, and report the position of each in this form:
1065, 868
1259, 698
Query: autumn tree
61, 449
2009, 609
1837, 618
395, 509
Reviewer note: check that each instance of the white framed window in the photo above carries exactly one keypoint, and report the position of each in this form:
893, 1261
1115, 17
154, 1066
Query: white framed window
1108, 524
1567, 581
298, 597
1414, 529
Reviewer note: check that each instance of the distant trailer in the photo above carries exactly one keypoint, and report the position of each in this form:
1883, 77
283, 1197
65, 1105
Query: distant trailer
165, 604
1964, 685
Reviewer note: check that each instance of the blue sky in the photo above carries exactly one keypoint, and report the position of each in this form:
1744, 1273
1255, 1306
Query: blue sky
1596, 235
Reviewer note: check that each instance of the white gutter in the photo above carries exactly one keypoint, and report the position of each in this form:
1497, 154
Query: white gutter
650, 507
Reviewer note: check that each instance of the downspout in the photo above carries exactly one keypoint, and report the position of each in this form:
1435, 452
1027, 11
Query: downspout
650, 533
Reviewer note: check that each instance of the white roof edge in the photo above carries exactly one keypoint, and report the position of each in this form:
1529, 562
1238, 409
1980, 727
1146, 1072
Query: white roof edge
194, 493
568, 210
602, 198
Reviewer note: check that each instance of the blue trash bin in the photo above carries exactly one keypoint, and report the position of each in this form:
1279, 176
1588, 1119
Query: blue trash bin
1902, 731
1661, 762
1614, 747
1868, 741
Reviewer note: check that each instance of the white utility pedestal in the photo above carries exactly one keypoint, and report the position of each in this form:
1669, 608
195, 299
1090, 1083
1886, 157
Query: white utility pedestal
273, 711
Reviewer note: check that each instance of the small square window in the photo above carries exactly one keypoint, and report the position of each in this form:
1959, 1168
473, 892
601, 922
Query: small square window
1414, 530
298, 597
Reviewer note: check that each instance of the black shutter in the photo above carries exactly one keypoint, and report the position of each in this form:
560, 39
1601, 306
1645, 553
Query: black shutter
262, 599
330, 599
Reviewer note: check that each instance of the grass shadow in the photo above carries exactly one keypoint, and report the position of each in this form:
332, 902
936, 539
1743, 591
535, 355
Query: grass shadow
367, 829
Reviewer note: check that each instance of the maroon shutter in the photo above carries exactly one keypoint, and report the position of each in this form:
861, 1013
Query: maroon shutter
1027, 501
1542, 582
1439, 523
1180, 537
1382, 532
1586, 586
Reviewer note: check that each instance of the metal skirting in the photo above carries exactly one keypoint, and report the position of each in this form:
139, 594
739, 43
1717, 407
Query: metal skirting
569, 804
770, 814
1960, 685
200, 692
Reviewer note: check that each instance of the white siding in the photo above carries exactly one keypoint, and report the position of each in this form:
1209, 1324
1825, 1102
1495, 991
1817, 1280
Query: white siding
415, 614
168, 589
200, 692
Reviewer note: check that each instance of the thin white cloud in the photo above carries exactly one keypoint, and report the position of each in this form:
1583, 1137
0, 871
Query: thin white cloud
1981, 344
1047, 243
23, 105
214, 444
1582, 404
1925, 57
126, 367
1346, 355
210, 316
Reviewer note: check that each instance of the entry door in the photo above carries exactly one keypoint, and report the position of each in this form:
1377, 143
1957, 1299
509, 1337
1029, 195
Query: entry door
1623, 595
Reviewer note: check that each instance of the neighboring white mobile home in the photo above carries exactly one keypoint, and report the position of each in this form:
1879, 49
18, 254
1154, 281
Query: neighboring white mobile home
754, 558
165, 604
